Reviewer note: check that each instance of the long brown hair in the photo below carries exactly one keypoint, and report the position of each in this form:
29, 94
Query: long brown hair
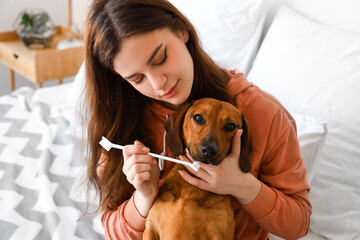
114, 108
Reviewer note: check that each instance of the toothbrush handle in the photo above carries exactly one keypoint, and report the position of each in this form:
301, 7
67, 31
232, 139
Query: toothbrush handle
157, 156
168, 158
117, 146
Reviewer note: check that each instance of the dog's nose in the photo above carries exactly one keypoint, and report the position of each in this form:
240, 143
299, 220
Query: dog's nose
209, 149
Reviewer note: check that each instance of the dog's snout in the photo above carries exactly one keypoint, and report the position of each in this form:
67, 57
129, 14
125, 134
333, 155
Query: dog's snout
209, 149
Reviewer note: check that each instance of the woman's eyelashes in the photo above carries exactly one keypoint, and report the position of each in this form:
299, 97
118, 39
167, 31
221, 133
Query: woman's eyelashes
161, 61
163, 58
140, 80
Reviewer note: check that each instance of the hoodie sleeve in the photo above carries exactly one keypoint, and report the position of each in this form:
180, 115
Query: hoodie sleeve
124, 223
283, 206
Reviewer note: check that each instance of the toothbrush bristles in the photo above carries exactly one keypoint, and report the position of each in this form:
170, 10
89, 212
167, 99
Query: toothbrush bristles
105, 143
195, 166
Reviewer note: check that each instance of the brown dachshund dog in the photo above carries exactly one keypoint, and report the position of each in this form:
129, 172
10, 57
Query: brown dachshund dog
181, 211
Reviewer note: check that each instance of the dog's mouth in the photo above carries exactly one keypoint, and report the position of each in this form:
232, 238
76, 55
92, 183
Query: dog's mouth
198, 156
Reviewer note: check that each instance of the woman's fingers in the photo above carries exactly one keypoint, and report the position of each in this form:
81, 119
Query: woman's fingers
135, 154
204, 170
215, 178
138, 169
140, 178
137, 159
138, 165
197, 182
137, 147
201, 176
236, 143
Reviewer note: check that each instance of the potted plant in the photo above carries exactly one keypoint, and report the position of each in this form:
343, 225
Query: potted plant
35, 28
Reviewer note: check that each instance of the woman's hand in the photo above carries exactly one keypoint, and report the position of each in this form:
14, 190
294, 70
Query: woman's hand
143, 173
225, 178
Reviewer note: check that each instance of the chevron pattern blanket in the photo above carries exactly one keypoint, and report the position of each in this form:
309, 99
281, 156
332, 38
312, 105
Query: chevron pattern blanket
41, 196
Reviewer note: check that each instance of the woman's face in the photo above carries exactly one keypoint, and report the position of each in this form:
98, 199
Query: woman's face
158, 65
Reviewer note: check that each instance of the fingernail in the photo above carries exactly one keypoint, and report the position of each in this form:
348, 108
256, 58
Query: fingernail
181, 173
146, 149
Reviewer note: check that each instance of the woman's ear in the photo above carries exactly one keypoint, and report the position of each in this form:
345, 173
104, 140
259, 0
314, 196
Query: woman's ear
185, 35
173, 127
182, 31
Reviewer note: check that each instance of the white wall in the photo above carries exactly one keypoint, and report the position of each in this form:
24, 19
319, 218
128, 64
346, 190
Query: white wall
57, 10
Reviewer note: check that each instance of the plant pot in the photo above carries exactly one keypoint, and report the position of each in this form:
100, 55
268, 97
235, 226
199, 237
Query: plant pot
35, 28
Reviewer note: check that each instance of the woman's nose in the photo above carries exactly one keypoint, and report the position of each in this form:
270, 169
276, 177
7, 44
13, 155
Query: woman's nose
157, 81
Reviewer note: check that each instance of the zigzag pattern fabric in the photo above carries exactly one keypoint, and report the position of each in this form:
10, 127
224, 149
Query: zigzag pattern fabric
41, 196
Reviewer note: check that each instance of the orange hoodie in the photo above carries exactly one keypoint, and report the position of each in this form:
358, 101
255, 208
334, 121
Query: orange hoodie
282, 206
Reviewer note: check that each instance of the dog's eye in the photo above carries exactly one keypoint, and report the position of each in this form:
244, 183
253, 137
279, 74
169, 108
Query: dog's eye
229, 127
199, 119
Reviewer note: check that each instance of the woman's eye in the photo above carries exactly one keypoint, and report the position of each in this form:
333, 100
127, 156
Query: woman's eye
199, 119
229, 127
137, 82
164, 57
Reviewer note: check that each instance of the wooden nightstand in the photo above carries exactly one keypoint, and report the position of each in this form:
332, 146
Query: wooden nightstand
39, 65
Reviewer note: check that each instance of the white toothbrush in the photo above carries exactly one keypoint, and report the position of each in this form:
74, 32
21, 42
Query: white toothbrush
105, 143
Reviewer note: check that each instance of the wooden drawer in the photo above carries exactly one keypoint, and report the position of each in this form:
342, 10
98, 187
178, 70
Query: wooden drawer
23, 62
54, 64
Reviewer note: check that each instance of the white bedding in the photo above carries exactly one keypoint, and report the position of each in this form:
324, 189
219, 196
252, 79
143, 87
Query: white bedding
314, 69
40, 193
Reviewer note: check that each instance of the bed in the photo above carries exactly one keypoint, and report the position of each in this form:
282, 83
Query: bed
308, 59
40, 176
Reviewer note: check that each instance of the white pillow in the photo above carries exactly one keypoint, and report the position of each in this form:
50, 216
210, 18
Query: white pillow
75, 95
315, 70
75, 100
311, 134
341, 14
229, 30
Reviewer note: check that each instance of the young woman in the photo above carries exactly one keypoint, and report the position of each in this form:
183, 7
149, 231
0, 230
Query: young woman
144, 59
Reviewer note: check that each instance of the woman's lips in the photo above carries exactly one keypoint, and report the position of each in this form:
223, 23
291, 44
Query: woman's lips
172, 91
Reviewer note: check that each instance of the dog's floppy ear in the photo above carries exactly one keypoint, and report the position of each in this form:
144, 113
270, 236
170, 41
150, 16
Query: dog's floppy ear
246, 147
173, 127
